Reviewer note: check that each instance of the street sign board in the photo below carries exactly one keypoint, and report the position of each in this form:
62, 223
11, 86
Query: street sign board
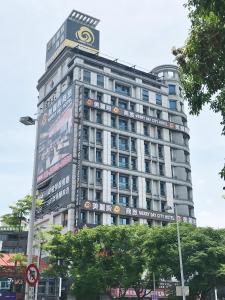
32, 274
179, 290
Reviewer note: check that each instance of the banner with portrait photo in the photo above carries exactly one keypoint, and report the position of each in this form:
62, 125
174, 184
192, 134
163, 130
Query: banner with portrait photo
55, 136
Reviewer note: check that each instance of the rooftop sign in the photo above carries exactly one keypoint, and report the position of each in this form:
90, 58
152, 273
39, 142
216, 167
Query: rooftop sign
77, 30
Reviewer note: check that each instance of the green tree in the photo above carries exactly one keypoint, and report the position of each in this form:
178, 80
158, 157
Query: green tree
19, 212
203, 252
201, 59
102, 258
125, 257
19, 261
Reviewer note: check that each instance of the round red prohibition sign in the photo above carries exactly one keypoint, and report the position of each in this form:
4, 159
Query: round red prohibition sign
32, 274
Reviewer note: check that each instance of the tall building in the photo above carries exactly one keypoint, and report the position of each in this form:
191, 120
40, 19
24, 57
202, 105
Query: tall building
112, 142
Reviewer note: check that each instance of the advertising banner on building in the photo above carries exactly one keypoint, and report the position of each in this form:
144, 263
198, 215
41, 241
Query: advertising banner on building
133, 212
56, 192
135, 115
55, 136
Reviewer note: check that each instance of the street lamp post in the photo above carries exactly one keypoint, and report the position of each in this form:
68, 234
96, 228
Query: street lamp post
179, 250
180, 254
30, 121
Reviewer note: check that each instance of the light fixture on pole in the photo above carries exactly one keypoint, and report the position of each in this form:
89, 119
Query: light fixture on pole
166, 208
27, 120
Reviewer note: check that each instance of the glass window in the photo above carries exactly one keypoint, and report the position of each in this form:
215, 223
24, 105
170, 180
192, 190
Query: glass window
134, 201
133, 126
100, 80
122, 89
123, 161
147, 166
132, 106
145, 110
148, 185
113, 121
99, 96
99, 117
124, 200
113, 198
86, 93
84, 173
158, 99
122, 104
173, 104
85, 152
134, 183
123, 143
159, 133
123, 124
113, 179
87, 76
85, 133
162, 189
113, 141
98, 196
146, 147
161, 169
160, 151
146, 132
149, 203
83, 194
97, 219
98, 176
123, 181
133, 163
159, 114
98, 137
86, 113
152, 112
133, 145
83, 217
145, 95
172, 89
124, 221
113, 159
113, 101
98, 155
113, 220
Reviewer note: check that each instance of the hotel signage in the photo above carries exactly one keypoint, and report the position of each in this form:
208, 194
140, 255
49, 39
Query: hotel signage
72, 34
135, 115
133, 212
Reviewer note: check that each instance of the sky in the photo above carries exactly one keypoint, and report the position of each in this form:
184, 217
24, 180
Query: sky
139, 32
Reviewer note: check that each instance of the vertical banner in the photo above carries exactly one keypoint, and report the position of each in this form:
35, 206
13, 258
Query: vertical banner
55, 136
55, 153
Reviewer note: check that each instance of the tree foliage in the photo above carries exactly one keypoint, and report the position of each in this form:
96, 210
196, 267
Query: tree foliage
102, 258
203, 252
126, 256
19, 212
201, 59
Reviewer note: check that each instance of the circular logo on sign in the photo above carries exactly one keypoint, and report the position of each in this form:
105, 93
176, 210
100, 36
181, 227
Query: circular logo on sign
87, 205
116, 209
115, 110
84, 34
89, 102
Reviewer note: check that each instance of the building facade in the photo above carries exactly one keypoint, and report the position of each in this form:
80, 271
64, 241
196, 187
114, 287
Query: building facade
112, 139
